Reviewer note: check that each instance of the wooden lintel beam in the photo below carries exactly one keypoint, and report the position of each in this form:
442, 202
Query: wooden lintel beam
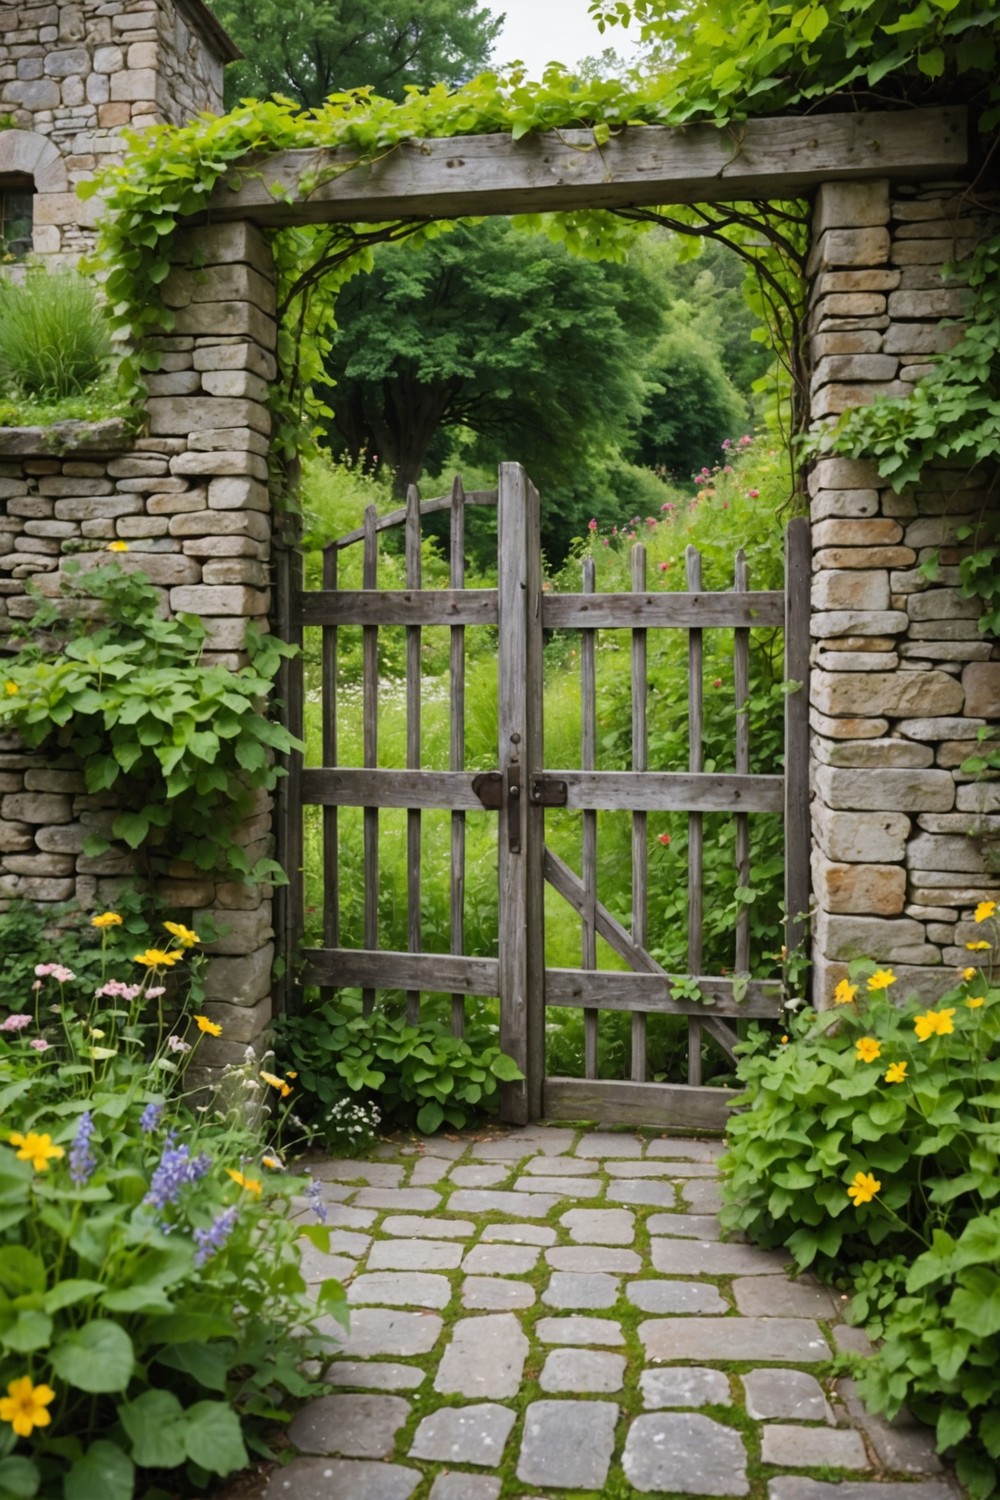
776, 158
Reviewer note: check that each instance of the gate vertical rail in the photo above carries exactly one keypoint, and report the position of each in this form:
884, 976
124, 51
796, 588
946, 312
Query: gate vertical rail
521, 832
798, 833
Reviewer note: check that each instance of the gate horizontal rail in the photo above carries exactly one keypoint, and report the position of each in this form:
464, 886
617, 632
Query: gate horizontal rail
652, 611
398, 607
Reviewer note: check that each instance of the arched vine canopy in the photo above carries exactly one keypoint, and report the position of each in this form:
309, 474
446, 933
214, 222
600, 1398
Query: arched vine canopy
708, 62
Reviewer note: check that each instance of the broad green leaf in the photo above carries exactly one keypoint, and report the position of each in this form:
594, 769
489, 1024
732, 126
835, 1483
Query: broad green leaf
155, 1423
103, 1473
97, 1357
18, 1477
29, 1330
213, 1437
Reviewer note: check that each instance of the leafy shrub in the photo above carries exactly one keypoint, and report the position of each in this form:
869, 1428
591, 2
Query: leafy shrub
153, 1316
868, 1144
54, 338
421, 1074
184, 745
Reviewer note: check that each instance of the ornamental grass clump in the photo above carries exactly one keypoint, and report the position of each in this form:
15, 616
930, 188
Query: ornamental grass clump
55, 340
153, 1314
868, 1144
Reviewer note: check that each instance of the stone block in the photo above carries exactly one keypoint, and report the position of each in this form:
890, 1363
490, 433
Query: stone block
855, 246
980, 797
872, 890
825, 625
851, 368
222, 523
943, 604
222, 461
881, 754
837, 558
185, 414
239, 319
981, 681
850, 589
850, 205
921, 338
133, 83
227, 438
843, 474
857, 533
885, 940
237, 356
847, 729
931, 302
853, 504
36, 807
221, 244
937, 531
899, 694
869, 659
224, 283
232, 492
885, 791
240, 981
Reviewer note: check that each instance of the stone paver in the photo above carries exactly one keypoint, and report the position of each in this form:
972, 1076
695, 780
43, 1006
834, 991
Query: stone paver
494, 1294
600, 1226
785, 1393
351, 1426
495, 1226
415, 1255
600, 1331
578, 1370
797, 1340
374, 1376
465, 1487
411, 1226
689, 1386
484, 1358
341, 1479
839, 1448
567, 1443
580, 1289
464, 1435
682, 1453
675, 1297
400, 1289
501, 1260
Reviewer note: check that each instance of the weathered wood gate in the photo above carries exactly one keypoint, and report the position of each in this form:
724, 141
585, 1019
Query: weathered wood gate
522, 787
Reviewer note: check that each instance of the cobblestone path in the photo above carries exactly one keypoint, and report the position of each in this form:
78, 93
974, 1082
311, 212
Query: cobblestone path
551, 1312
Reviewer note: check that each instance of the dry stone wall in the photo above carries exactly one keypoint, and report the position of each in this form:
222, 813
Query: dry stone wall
190, 500
74, 75
905, 843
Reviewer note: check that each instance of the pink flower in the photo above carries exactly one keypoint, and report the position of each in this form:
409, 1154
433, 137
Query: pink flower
717, 682
39, 1043
754, 494
664, 839
725, 505
591, 525
16, 1023
650, 521
728, 469
176, 1045
605, 541
59, 972
155, 991
745, 440
664, 567
116, 990
728, 443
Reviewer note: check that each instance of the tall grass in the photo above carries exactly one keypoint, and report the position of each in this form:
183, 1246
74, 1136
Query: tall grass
54, 339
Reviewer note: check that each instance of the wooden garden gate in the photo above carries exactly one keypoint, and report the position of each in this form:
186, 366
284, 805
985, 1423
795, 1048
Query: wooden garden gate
521, 787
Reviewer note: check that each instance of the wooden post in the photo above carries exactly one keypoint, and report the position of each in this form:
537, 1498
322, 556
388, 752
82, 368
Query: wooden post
369, 649
290, 906
456, 748
798, 562
588, 762
413, 816
696, 837
640, 762
521, 827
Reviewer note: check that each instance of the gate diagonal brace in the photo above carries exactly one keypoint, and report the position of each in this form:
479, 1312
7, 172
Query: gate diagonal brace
488, 787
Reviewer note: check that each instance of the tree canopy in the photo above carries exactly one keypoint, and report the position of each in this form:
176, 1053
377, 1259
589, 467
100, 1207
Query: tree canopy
309, 49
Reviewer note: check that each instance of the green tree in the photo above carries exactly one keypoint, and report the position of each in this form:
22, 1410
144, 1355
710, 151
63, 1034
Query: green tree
309, 49
691, 405
536, 354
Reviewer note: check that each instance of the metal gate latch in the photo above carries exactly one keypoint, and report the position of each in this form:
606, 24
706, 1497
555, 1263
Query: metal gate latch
488, 787
548, 791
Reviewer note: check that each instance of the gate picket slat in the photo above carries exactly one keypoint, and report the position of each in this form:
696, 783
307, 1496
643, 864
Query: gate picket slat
331, 842
588, 760
413, 815
798, 562
696, 843
741, 691
369, 673
640, 762
456, 747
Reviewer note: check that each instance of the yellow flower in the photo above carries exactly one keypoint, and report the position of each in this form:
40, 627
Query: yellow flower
273, 1163
38, 1149
984, 911
24, 1405
106, 919
118, 546
184, 935
844, 993
10, 688
863, 1188
868, 1049
975, 1001
933, 1023
158, 958
979, 947
291, 1075
969, 973
249, 1184
881, 979
896, 1073
211, 1027
784, 1039
283, 1088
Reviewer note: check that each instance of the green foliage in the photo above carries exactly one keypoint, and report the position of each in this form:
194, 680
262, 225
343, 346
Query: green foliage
123, 691
900, 1101
420, 1074
54, 336
314, 48
689, 401
153, 1315
98, 402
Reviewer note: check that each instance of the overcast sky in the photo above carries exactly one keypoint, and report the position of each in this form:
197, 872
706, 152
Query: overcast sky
541, 31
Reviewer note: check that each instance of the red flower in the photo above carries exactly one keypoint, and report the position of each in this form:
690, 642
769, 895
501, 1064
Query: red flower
717, 682
664, 839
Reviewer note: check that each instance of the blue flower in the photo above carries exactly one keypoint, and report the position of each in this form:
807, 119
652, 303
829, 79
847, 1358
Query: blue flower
314, 1192
176, 1169
149, 1120
82, 1160
211, 1240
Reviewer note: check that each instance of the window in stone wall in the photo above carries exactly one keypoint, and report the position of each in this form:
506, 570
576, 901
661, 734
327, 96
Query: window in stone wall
16, 211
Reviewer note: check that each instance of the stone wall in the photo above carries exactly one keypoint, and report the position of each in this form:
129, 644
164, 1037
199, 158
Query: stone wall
903, 679
74, 75
191, 502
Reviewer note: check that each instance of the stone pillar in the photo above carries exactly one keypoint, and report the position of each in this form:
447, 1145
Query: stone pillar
904, 842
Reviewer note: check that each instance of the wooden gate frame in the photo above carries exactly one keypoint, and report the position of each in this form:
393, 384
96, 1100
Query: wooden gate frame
522, 787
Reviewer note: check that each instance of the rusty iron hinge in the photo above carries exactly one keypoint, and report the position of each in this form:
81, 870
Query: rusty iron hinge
488, 787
